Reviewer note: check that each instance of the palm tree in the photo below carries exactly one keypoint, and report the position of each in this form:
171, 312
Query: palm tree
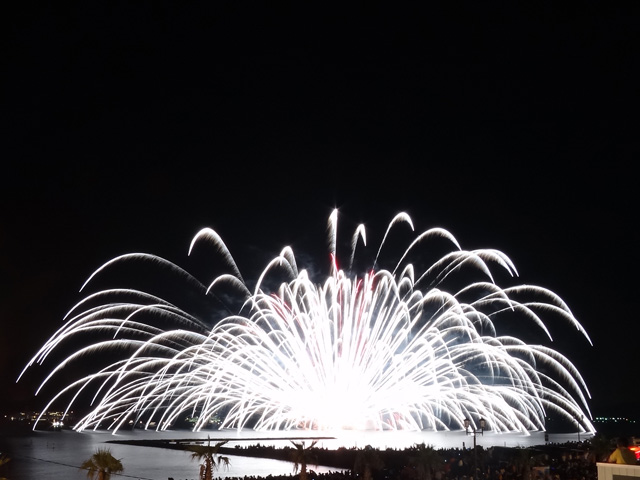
101, 465
302, 456
425, 460
367, 460
209, 457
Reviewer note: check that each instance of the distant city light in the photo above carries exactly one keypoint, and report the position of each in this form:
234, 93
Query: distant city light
409, 347
613, 420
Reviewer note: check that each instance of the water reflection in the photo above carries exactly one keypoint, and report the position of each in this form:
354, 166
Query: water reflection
57, 455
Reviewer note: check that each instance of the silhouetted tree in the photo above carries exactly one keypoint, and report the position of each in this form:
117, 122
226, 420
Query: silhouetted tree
367, 461
302, 456
209, 457
426, 460
523, 461
101, 465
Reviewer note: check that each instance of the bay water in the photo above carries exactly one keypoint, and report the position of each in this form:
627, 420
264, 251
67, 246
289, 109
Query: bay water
57, 455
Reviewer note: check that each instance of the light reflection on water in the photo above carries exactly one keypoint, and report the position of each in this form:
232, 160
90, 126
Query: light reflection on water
56, 455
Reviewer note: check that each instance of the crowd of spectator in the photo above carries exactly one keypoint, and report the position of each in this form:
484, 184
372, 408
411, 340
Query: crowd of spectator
570, 461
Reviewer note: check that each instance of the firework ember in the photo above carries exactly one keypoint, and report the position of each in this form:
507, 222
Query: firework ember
382, 349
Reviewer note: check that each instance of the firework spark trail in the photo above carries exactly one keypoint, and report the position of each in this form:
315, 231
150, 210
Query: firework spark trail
375, 351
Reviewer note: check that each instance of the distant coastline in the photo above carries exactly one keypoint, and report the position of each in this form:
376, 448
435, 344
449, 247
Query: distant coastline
329, 458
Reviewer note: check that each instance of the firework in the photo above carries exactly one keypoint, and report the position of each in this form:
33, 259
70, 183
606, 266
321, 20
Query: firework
382, 349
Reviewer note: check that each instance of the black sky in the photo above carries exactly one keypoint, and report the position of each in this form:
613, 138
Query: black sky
128, 127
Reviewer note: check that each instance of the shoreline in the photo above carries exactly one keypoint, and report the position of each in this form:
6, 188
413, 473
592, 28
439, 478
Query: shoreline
344, 458
328, 458
220, 439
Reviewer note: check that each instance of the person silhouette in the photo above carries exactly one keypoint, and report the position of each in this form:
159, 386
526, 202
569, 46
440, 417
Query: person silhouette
622, 454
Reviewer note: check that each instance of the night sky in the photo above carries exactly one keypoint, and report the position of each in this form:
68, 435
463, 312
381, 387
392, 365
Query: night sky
128, 126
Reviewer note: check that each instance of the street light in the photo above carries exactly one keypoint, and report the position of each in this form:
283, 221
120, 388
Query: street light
578, 419
467, 424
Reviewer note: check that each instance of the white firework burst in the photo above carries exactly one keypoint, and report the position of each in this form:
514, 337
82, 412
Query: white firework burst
369, 351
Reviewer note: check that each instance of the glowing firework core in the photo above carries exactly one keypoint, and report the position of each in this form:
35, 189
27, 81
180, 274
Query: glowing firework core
375, 351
